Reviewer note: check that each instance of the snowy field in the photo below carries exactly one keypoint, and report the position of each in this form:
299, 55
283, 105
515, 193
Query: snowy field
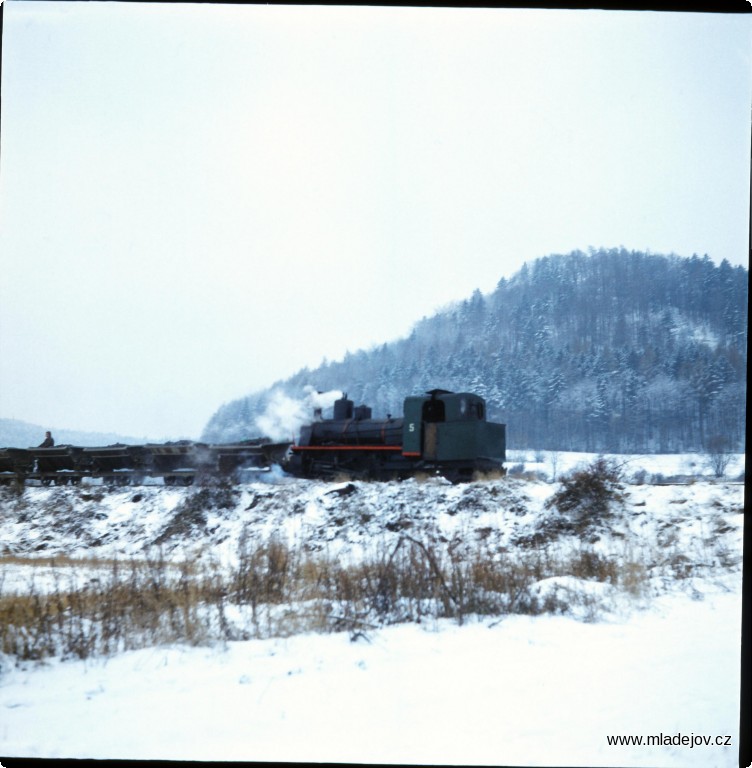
546, 689
520, 691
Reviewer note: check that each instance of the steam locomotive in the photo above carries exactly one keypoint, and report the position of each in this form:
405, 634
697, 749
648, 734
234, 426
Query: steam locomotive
440, 432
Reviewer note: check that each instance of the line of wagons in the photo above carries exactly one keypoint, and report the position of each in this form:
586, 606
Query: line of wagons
441, 432
178, 463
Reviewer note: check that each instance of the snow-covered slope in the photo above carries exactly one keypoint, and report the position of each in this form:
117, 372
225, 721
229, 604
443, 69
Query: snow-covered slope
92, 520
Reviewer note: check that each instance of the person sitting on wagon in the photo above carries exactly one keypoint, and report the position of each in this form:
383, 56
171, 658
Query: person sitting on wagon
48, 441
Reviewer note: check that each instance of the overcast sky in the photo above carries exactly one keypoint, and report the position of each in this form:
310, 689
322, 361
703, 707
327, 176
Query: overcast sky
198, 200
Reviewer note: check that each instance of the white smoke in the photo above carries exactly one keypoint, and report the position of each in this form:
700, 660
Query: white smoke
284, 415
323, 400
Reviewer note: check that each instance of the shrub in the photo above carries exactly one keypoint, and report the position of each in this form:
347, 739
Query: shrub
191, 513
585, 496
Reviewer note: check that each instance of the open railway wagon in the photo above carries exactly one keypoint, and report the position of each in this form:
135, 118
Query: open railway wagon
441, 432
184, 462
15, 464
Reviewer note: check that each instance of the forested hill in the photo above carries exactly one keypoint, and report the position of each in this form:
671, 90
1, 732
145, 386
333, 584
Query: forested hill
611, 351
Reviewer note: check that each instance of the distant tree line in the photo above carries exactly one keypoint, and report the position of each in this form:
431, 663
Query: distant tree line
613, 350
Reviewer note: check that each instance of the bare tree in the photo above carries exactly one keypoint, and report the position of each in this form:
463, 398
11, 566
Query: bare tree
718, 454
553, 457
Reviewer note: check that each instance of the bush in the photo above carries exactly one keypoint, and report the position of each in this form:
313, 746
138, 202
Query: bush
586, 495
191, 513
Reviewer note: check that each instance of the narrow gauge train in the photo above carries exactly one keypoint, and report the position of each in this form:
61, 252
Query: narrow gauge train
440, 432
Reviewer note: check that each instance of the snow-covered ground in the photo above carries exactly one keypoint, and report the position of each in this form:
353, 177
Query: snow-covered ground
520, 691
511, 689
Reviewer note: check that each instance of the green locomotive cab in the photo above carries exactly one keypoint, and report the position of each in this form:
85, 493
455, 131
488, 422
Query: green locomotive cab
451, 428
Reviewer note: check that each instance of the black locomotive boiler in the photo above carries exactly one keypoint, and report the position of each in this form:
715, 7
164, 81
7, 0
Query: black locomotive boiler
440, 432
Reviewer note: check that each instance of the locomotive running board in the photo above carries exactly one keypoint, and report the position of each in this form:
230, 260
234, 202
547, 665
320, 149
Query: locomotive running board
346, 448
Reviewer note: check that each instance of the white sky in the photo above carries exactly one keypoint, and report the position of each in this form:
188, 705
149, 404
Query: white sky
198, 200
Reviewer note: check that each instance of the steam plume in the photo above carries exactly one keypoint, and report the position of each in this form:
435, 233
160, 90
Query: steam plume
285, 415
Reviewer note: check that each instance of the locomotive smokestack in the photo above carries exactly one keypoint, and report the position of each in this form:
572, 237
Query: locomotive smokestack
343, 408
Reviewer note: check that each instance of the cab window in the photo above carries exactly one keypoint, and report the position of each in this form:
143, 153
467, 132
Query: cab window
433, 410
